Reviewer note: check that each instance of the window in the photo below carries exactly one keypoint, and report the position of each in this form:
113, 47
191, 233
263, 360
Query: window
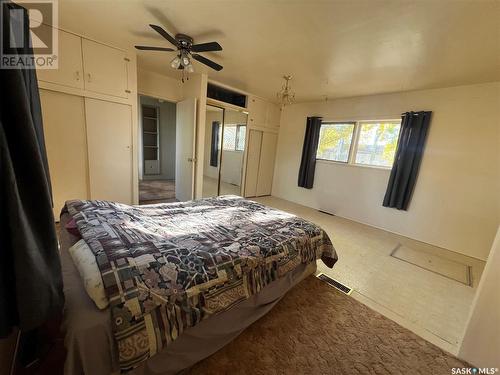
234, 137
370, 143
241, 137
335, 141
377, 143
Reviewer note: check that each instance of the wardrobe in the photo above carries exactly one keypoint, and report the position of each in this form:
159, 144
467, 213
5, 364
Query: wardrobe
262, 139
258, 124
89, 109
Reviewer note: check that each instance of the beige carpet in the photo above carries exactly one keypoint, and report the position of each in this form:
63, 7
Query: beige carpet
317, 330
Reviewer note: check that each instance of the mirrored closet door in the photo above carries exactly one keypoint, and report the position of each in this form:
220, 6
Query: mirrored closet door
225, 136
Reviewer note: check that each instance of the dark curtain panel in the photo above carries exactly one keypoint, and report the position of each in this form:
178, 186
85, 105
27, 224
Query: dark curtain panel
414, 127
308, 162
214, 146
30, 272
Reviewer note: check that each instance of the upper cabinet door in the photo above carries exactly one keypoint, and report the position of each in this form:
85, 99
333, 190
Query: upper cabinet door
105, 69
70, 70
257, 111
273, 115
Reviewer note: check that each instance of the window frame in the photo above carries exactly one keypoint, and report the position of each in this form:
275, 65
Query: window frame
236, 137
350, 146
353, 149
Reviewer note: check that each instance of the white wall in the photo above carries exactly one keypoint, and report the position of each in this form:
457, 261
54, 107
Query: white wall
481, 342
158, 86
455, 204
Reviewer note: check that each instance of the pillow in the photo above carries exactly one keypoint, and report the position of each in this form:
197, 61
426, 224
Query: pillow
84, 260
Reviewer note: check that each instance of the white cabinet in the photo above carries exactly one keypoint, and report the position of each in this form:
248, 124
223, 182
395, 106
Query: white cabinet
260, 163
70, 67
262, 113
151, 167
257, 111
266, 164
91, 67
66, 142
109, 136
105, 69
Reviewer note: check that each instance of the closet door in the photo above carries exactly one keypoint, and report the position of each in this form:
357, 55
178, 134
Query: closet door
105, 69
266, 164
253, 160
70, 69
65, 139
109, 134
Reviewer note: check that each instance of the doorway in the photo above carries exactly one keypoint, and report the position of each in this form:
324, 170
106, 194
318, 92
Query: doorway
157, 151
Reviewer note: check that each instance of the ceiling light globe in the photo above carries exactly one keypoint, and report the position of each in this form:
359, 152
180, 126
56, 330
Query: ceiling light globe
185, 61
176, 62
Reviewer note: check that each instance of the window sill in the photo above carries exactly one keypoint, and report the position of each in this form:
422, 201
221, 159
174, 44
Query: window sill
353, 165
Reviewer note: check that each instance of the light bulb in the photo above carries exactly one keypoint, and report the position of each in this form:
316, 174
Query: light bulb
190, 68
176, 62
185, 61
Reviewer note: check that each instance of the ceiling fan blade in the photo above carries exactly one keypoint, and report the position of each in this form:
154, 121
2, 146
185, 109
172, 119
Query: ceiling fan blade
164, 34
148, 48
206, 47
207, 62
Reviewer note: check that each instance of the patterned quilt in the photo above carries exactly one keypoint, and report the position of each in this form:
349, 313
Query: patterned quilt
167, 267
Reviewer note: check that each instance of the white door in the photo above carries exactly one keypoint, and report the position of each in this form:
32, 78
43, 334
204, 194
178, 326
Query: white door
66, 142
253, 161
184, 149
266, 164
109, 137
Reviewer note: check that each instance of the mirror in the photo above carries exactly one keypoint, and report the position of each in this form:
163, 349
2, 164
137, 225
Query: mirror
225, 135
212, 157
233, 147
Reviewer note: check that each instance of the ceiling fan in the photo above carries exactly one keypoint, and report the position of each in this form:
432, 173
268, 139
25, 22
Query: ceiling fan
185, 50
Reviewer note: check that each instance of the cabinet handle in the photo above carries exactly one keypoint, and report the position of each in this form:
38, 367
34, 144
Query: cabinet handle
77, 75
128, 91
89, 77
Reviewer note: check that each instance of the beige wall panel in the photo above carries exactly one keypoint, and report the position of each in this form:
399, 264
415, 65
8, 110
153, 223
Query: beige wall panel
109, 133
65, 138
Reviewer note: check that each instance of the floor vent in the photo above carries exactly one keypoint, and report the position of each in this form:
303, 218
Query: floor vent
328, 213
344, 289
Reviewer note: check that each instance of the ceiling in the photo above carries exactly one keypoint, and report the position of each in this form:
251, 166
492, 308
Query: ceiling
332, 48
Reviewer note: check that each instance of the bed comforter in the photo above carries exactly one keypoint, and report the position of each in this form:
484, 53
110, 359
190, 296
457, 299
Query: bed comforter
167, 267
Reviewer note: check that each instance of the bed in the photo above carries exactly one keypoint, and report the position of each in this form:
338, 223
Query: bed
229, 259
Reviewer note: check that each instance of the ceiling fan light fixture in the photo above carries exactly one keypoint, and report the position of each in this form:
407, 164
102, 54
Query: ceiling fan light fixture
185, 61
176, 62
190, 68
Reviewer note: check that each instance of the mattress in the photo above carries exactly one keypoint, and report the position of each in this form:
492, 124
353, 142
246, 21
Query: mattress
90, 343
